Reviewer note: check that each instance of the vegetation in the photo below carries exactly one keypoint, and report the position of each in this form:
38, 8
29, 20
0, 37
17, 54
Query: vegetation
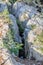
21, 29
12, 1
33, 26
5, 12
11, 44
8, 41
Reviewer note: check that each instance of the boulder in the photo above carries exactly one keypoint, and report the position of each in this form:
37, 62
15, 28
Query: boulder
39, 2
23, 12
7, 59
16, 6
15, 29
30, 34
4, 27
3, 6
36, 54
28, 1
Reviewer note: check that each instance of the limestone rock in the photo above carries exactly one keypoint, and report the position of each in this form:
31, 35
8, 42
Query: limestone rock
6, 58
3, 6
15, 28
31, 34
36, 54
28, 1
23, 12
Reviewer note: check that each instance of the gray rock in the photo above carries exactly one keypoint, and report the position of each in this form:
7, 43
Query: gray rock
29, 35
28, 16
36, 54
3, 6
29, 38
37, 20
23, 12
16, 6
7, 58
15, 28
28, 1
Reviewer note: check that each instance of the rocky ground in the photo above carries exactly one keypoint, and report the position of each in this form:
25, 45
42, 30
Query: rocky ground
29, 62
21, 23
6, 58
32, 22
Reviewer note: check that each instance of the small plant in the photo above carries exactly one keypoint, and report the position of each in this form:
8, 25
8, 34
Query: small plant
12, 1
21, 29
10, 43
4, 12
33, 26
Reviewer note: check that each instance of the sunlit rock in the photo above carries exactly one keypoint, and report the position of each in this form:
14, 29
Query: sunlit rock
3, 6
15, 28
33, 28
7, 59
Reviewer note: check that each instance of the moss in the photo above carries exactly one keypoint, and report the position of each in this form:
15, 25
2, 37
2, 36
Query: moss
12, 1
33, 26
5, 16
4, 12
40, 37
21, 29
8, 41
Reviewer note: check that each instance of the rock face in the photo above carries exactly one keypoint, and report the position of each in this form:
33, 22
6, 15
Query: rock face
30, 35
40, 2
32, 21
37, 2
6, 21
2, 6
3, 28
36, 54
23, 12
7, 59
15, 28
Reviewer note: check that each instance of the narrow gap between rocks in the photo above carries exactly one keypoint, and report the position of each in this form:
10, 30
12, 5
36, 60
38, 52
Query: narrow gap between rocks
22, 51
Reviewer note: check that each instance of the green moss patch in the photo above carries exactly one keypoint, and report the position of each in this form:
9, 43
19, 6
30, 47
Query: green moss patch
33, 26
